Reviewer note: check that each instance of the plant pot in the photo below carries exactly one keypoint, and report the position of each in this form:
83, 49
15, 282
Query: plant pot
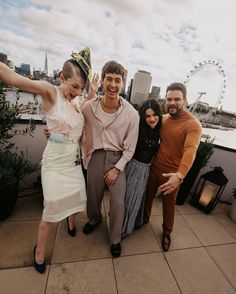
8, 198
232, 211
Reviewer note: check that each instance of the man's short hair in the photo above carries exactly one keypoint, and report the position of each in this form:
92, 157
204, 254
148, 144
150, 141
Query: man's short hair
177, 86
113, 67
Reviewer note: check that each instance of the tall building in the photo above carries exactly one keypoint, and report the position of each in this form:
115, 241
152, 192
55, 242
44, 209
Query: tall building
18, 70
141, 87
129, 90
124, 81
155, 93
25, 69
46, 65
55, 73
10, 64
3, 58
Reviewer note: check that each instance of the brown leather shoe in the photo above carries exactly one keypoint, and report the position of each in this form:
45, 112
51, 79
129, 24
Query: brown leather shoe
166, 242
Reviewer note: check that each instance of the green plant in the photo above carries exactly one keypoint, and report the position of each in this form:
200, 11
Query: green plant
204, 152
14, 166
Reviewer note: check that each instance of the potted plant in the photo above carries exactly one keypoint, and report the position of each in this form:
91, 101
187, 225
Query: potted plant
232, 210
14, 166
204, 152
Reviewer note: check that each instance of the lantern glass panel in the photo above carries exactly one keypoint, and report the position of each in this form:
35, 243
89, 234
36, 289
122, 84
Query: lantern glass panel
208, 194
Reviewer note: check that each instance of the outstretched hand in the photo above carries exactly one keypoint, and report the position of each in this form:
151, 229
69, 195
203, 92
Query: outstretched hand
93, 87
173, 183
95, 82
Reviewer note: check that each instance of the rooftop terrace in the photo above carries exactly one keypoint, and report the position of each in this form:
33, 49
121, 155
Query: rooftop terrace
201, 259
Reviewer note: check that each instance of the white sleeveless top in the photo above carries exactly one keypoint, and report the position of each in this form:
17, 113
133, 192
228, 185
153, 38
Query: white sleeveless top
65, 118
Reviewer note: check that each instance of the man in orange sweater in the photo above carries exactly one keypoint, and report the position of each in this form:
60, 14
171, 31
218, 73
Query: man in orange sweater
180, 137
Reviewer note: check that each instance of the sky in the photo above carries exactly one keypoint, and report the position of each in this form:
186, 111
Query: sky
165, 37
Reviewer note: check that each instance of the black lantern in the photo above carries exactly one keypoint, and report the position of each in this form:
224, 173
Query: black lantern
209, 189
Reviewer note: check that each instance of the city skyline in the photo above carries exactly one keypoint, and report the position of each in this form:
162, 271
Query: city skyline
167, 38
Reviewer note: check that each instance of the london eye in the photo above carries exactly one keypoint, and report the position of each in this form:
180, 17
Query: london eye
221, 87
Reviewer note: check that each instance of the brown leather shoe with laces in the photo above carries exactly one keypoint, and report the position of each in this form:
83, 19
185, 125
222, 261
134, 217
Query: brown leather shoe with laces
166, 242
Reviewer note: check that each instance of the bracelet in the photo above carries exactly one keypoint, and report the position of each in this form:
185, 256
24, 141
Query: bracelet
180, 176
117, 170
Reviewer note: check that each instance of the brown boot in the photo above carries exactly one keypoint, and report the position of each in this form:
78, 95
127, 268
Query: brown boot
166, 242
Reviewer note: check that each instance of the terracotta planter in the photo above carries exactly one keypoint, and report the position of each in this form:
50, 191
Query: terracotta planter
232, 211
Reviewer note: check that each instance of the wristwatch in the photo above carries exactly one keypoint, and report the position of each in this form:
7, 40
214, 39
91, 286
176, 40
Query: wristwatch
180, 176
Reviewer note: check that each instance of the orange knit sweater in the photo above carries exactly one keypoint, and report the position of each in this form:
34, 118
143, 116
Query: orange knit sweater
180, 137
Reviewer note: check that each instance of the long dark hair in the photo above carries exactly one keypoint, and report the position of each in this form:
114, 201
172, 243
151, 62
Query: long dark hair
155, 106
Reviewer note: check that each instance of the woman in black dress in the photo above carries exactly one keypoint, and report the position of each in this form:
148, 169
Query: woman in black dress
137, 170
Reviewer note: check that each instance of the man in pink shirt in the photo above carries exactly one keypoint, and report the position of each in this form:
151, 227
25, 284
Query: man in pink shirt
111, 133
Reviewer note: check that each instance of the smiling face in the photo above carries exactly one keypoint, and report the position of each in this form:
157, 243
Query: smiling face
174, 102
72, 87
112, 84
151, 118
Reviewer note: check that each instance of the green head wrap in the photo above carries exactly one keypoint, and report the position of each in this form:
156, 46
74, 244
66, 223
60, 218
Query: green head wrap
84, 61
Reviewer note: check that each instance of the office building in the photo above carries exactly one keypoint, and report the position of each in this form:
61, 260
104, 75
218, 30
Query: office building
3, 58
25, 69
124, 81
155, 93
141, 87
46, 65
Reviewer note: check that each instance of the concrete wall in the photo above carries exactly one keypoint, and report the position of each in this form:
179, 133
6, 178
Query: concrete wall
32, 147
225, 158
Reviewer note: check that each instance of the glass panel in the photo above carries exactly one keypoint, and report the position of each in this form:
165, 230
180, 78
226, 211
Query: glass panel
209, 191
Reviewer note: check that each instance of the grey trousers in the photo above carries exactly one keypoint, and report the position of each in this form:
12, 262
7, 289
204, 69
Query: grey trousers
101, 162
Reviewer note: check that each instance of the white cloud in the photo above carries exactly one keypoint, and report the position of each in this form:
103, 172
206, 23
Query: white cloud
166, 37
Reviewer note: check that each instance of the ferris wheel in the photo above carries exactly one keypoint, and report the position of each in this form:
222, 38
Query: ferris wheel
220, 71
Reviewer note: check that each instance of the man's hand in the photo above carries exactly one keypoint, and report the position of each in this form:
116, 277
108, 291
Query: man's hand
111, 176
46, 133
173, 182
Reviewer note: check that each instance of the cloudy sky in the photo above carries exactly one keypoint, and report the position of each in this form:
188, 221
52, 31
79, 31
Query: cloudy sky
165, 37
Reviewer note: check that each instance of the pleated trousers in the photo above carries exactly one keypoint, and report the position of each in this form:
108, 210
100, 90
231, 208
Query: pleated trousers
101, 162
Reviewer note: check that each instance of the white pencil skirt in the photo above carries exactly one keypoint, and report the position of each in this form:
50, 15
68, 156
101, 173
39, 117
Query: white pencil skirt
63, 182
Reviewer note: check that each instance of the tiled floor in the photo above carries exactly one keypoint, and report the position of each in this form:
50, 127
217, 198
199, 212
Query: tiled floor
202, 257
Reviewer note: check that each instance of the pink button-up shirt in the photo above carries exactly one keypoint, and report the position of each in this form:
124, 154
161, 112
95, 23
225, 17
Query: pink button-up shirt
120, 134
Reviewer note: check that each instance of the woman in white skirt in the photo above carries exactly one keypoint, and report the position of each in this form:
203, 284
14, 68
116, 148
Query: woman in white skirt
62, 179
137, 170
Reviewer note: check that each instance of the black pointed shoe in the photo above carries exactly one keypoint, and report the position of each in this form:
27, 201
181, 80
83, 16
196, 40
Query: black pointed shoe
166, 240
40, 267
116, 250
88, 228
71, 232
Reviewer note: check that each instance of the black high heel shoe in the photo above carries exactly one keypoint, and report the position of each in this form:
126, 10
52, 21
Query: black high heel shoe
71, 232
40, 267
